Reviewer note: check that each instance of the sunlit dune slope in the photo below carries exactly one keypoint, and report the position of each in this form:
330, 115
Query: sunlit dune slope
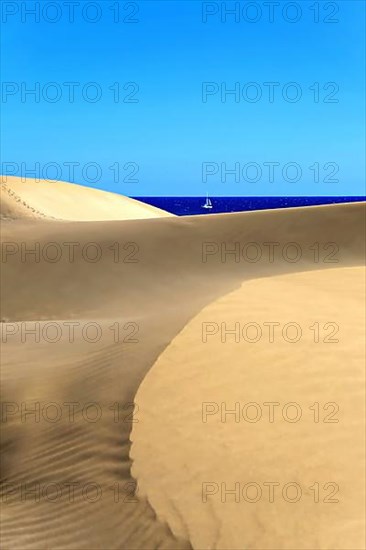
258, 439
29, 198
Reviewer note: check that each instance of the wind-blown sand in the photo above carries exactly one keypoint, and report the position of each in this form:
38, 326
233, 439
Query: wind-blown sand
160, 300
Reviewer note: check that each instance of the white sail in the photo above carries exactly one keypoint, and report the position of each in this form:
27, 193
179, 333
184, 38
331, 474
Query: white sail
208, 203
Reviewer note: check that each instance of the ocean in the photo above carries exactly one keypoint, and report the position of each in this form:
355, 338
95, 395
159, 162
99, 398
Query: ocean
189, 206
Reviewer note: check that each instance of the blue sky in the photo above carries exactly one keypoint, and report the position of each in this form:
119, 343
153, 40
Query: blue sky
172, 130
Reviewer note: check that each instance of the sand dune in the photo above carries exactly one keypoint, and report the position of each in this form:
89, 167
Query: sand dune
256, 412
151, 278
29, 198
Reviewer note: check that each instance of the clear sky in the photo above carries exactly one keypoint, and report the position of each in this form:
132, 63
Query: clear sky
133, 96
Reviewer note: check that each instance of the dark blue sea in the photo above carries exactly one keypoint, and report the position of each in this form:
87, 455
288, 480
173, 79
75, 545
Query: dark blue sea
188, 206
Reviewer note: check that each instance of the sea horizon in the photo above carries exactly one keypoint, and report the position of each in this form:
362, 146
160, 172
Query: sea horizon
194, 205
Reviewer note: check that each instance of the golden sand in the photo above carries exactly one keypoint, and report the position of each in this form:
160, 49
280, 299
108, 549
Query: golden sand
258, 439
31, 198
156, 280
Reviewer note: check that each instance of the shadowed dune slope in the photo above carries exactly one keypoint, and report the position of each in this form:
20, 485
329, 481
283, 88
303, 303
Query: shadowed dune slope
29, 198
63, 270
149, 278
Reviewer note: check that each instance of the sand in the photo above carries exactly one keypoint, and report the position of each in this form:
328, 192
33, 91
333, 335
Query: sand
32, 198
168, 272
255, 407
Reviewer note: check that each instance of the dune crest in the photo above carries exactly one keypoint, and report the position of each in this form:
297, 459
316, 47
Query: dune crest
29, 198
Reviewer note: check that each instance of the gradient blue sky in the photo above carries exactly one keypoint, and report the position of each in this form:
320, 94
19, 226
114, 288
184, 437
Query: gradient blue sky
161, 141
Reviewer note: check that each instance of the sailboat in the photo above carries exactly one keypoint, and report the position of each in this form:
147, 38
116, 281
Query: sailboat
208, 203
